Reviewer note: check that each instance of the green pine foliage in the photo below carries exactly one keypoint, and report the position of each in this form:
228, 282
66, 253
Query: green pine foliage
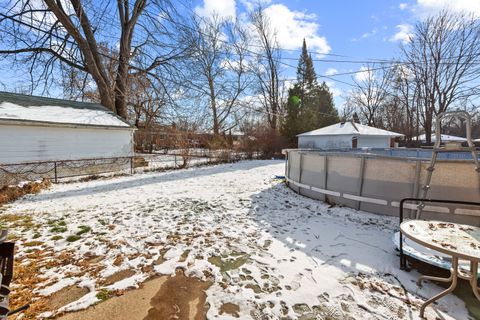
310, 105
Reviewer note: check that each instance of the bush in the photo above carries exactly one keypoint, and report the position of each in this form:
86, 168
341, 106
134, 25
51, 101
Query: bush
218, 142
264, 141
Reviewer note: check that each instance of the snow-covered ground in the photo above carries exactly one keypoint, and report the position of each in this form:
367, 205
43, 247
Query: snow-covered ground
158, 161
268, 250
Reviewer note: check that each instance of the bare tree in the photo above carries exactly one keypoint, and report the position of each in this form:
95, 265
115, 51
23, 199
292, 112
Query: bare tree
370, 92
403, 106
443, 56
217, 71
267, 66
48, 34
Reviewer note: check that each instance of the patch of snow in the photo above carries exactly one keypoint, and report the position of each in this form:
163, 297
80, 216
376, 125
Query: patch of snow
57, 114
269, 250
62, 283
82, 303
131, 282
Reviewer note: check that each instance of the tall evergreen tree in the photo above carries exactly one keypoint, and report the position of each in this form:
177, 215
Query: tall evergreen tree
306, 76
291, 124
310, 105
322, 108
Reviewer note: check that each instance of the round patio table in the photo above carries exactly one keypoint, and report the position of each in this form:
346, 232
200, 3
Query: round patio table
455, 240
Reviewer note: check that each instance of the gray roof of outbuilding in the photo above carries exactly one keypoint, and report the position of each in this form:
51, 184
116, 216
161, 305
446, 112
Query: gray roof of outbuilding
28, 108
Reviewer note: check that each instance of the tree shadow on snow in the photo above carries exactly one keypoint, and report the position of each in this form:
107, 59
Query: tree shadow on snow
146, 179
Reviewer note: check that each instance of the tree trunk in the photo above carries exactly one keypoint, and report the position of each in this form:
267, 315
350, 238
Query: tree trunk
122, 73
428, 129
213, 105
106, 97
120, 91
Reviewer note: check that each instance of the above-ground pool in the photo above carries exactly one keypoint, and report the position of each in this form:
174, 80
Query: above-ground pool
375, 180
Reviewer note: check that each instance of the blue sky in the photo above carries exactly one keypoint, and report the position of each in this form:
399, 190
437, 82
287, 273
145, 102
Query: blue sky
354, 30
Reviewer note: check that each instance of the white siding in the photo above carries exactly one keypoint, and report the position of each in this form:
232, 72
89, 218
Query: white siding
325, 142
373, 142
27, 143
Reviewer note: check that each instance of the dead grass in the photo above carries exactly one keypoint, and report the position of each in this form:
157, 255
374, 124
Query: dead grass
28, 276
94, 177
11, 193
17, 221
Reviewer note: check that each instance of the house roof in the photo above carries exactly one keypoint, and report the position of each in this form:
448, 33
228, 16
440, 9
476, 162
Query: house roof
350, 128
443, 137
34, 109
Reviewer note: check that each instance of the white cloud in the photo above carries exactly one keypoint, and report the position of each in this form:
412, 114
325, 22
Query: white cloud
251, 4
293, 26
225, 9
331, 72
363, 74
404, 34
336, 92
402, 6
288, 84
425, 7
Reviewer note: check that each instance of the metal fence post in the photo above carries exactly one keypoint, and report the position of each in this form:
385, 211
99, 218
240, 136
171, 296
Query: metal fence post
300, 171
175, 161
131, 165
55, 170
416, 181
325, 176
360, 180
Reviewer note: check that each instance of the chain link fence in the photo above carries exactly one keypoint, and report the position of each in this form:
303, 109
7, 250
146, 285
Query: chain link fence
13, 174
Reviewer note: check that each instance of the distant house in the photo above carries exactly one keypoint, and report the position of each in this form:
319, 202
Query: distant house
443, 137
346, 135
41, 129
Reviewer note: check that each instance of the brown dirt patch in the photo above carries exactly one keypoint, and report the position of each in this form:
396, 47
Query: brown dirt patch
118, 276
65, 296
94, 259
180, 297
133, 305
160, 259
231, 309
118, 260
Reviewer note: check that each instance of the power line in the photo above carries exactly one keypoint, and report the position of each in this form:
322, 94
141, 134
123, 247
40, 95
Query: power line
389, 64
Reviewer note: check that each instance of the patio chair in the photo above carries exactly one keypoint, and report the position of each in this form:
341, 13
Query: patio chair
418, 252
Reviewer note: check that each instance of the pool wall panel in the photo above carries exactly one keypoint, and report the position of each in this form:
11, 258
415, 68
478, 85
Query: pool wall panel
377, 183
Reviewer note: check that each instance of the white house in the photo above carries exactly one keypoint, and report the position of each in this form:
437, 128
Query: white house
443, 137
346, 135
41, 129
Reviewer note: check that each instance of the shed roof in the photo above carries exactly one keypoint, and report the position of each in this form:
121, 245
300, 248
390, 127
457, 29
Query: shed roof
34, 109
350, 128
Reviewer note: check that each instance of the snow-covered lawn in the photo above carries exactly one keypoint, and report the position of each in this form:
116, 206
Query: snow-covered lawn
268, 250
